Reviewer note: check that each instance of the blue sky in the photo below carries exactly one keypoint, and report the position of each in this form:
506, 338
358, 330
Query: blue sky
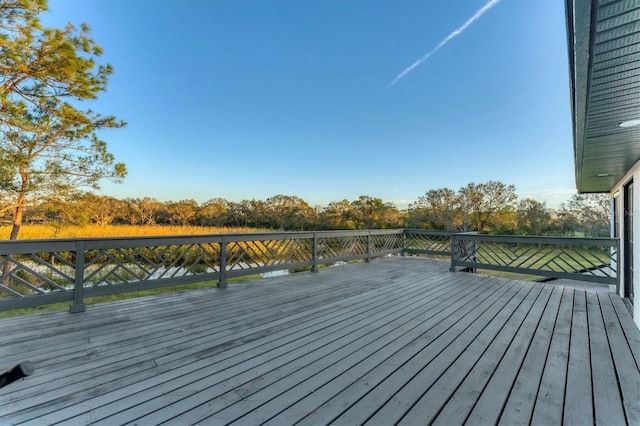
246, 99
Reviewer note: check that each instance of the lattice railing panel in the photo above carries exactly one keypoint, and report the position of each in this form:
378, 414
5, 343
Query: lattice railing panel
127, 265
36, 273
433, 243
336, 247
242, 255
580, 260
386, 242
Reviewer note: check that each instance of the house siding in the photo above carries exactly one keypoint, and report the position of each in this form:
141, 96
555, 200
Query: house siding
618, 190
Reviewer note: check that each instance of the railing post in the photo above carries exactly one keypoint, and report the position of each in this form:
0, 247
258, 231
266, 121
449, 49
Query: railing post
222, 280
314, 253
78, 288
404, 243
618, 265
368, 259
452, 268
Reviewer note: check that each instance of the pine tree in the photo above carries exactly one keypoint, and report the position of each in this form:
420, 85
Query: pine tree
49, 143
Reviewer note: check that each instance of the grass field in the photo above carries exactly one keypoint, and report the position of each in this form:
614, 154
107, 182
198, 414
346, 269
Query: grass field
37, 232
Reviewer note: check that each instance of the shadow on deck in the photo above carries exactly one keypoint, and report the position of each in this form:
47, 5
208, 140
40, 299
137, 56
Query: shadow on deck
395, 340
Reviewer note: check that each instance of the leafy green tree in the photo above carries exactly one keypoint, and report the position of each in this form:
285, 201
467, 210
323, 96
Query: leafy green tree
288, 212
142, 211
182, 212
533, 217
591, 212
60, 211
248, 213
214, 212
49, 144
338, 215
102, 209
437, 209
373, 213
563, 222
481, 202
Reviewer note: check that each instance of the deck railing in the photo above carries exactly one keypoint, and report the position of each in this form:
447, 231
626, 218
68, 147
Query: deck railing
585, 259
39, 272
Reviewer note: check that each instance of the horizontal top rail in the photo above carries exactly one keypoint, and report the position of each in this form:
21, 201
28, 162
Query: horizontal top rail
40, 245
533, 239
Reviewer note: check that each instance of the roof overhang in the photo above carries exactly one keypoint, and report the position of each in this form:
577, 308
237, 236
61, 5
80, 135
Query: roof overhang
604, 65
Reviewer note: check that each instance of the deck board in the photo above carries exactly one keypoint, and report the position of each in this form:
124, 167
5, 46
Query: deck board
578, 400
451, 343
463, 400
396, 340
489, 406
519, 406
606, 400
628, 378
549, 402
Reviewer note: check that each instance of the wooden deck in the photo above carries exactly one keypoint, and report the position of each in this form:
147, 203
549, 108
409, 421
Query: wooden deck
398, 340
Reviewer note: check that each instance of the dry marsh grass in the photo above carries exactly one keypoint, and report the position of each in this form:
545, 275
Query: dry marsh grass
39, 232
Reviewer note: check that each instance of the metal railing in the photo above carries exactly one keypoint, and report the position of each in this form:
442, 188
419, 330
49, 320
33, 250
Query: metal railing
39, 272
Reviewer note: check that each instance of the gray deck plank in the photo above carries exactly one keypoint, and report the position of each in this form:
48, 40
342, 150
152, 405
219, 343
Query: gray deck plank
409, 405
178, 348
339, 395
437, 395
307, 366
380, 394
394, 339
606, 395
549, 404
630, 330
171, 347
494, 396
465, 397
450, 328
167, 372
578, 406
628, 378
519, 406
166, 375
142, 337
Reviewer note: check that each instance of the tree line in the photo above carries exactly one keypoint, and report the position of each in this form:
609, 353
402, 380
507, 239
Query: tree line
491, 207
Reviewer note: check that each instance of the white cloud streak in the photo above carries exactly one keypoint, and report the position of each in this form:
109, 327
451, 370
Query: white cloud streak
454, 34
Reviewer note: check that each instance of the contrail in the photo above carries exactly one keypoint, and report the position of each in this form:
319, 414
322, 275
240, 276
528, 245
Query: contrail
457, 32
